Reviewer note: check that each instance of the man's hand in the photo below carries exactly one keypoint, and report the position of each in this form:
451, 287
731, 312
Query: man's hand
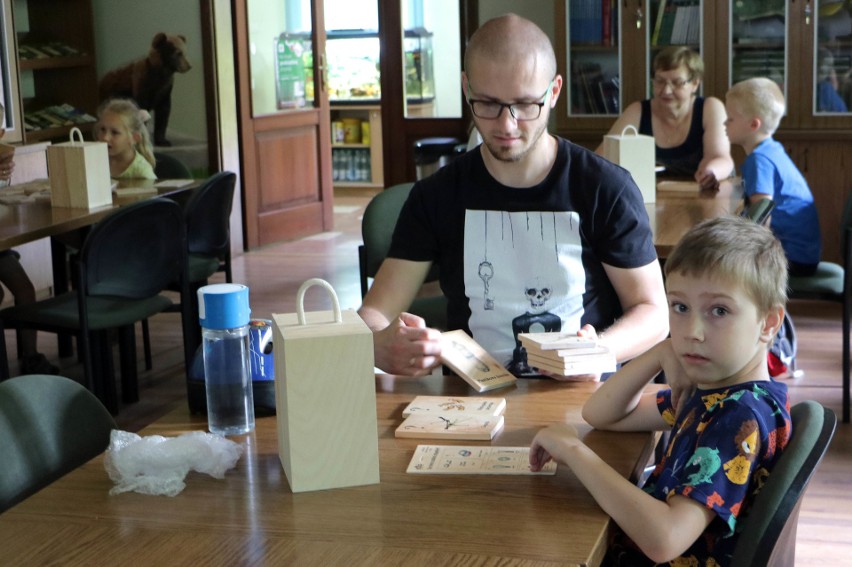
407, 347
587, 332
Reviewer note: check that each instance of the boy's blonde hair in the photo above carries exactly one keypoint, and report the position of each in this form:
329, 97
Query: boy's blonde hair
737, 250
674, 56
759, 98
134, 119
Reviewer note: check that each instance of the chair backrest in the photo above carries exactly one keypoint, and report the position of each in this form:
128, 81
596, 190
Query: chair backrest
49, 425
769, 536
169, 167
377, 229
135, 252
208, 215
759, 211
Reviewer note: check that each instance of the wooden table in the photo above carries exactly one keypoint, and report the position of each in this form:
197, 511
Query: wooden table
251, 517
25, 222
680, 206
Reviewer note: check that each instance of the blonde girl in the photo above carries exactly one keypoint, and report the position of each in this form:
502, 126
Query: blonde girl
121, 124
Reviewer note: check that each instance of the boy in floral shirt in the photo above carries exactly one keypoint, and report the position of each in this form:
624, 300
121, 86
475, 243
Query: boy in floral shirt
726, 285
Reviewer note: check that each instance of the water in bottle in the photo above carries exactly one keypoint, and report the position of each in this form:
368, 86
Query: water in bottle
224, 316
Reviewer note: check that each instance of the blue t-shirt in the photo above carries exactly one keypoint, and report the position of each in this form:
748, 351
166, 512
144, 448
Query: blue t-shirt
722, 449
770, 171
526, 259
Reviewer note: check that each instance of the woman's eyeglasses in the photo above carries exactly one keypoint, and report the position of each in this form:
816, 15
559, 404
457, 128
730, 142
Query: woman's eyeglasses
676, 85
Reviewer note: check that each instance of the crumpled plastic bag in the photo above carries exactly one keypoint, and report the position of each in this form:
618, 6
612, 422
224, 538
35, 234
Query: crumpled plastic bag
158, 465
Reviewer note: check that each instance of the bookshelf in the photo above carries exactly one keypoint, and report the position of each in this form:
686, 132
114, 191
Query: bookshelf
56, 60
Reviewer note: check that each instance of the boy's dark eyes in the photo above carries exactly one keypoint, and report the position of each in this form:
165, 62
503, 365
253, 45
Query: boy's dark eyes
719, 311
678, 307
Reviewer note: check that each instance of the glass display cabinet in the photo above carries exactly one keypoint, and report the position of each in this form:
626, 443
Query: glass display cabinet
419, 75
353, 66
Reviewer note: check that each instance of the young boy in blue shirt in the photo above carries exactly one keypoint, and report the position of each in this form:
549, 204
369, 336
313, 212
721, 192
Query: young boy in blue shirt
726, 284
755, 107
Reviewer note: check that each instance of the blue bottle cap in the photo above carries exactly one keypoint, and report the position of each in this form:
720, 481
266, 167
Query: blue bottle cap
223, 306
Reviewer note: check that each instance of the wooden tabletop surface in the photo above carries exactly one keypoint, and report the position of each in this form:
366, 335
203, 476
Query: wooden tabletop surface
28, 221
680, 206
252, 517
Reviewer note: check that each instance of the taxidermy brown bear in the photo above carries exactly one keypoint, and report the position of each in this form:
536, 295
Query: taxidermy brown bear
149, 80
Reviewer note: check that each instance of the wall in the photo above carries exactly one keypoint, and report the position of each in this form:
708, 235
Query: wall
123, 32
541, 12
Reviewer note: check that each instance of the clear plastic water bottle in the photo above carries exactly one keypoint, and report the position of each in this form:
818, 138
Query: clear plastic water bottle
224, 316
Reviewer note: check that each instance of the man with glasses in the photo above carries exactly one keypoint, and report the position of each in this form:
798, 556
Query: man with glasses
531, 232
688, 130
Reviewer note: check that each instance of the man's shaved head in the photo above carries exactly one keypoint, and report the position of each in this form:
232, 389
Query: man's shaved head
510, 38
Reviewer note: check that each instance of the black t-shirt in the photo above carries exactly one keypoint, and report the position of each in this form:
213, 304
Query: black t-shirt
526, 260
682, 160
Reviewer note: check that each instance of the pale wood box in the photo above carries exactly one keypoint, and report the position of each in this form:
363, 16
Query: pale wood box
79, 174
325, 397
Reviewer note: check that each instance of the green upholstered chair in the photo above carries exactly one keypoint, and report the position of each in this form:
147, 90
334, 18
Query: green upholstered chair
769, 536
833, 282
169, 167
759, 211
49, 425
127, 259
377, 230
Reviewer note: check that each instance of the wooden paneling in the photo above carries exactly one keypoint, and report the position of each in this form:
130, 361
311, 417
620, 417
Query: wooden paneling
827, 166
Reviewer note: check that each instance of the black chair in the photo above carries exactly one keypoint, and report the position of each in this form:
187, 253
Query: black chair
169, 167
207, 214
49, 425
769, 536
127, 259
377, 230
833, 282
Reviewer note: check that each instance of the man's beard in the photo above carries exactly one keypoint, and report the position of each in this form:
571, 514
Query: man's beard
507, 155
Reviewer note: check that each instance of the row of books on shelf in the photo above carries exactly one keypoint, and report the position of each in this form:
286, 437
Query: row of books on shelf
56, 116
592, 91
593, 22
46, 50
678, 23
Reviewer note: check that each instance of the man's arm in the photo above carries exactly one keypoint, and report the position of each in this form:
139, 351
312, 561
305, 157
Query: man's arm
402, 343
643, 300
717, 163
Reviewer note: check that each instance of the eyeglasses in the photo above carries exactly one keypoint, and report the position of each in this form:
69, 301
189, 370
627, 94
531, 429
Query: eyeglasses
520, 111
676, 85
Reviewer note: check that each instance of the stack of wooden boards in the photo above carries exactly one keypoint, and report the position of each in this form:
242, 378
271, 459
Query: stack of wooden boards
436, 417
567, 354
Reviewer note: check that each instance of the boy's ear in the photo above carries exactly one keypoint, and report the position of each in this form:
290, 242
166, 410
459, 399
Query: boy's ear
772, 321
755, 124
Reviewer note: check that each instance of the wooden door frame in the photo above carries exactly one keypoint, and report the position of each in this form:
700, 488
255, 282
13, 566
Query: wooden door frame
301, 219
400, 133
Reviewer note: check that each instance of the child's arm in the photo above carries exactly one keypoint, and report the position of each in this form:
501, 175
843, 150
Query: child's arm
647, 521
620, 404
